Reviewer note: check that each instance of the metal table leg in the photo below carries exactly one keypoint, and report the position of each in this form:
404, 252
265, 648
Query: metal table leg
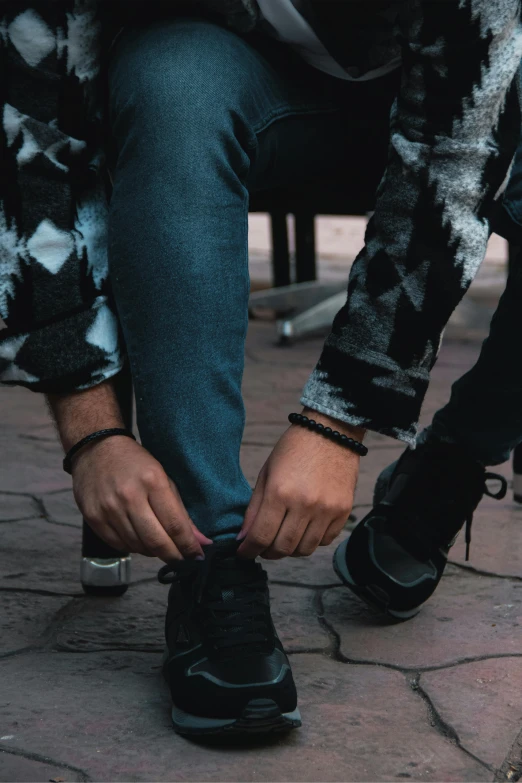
104, 570
302, 307
517, 474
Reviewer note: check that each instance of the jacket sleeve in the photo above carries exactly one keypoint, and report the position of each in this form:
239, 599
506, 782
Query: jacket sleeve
455, 127
61, 333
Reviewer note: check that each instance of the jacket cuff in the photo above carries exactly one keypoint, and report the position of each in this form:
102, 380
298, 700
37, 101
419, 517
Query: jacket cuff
367, 389
80, 350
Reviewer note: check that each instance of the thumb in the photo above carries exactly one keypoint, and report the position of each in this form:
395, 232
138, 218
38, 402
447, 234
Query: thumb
254, 505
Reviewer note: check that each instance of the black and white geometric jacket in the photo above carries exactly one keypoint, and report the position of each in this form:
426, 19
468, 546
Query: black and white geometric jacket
454, 130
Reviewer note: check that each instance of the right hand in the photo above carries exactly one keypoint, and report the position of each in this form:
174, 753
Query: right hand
129, 501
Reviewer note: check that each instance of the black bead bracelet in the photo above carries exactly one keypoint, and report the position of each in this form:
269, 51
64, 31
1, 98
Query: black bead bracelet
328, 432
67, 460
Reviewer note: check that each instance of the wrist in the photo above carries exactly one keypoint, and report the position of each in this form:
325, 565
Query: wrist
357, 433
80, 413
92, 440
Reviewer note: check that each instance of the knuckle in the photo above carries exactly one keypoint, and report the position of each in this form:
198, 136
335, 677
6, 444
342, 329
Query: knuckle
91, 515
286, 546
328, 539
174, 527
126, 492
310, 546
153, 478
310, 500
337, 510
155, 546
262, 539
110, 505
190, 548
271, 555
283, 493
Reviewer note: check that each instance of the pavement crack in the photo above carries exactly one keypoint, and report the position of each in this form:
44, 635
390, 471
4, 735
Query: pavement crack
62, 649
339, 656
19, 651
444, 728
16, 494
480, 572
30, 756
37, 591
310, 651
16, 519
334, 648
287, 583
40, 502
511, 767
40, 438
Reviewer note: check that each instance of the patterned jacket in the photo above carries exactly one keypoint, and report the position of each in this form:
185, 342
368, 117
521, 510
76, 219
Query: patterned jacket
454, 130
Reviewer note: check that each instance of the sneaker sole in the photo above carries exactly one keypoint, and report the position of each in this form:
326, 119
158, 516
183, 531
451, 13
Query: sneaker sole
367, 592
260, 716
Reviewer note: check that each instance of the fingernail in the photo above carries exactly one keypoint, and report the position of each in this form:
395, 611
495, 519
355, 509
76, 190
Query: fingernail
240, 536
200, 557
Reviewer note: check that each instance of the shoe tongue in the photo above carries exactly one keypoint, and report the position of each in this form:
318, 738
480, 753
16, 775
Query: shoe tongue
227, 594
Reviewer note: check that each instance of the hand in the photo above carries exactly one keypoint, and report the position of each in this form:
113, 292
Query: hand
129, 501
304, 493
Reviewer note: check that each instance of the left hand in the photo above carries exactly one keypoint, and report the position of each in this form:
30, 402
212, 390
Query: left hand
304, 493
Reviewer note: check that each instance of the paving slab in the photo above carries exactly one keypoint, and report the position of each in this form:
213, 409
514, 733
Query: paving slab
108, 715
24, 770
33, 466
135, 621
496, 544
25, 618
36, 555
60, 508
481, 701
469, 616
98, 709
15, 507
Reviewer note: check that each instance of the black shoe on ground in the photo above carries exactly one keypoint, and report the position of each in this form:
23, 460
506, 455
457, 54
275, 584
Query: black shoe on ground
395, 557
225, 666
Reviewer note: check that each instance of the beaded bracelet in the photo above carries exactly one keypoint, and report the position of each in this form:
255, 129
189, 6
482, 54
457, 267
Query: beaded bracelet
67, 460
341, 439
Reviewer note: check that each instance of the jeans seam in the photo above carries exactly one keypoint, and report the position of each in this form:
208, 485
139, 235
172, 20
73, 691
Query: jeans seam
283, 113
246, 278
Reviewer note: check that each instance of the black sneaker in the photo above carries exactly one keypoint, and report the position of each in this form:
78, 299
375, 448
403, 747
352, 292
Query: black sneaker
395, 557
224, 663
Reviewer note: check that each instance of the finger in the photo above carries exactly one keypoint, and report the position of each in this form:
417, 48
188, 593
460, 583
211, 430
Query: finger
156, 542
176, 523
255, 503
312, 537
203, 539
116, 518
200, 536
111, 537
265, 527
126, 531
289, 535
333, 530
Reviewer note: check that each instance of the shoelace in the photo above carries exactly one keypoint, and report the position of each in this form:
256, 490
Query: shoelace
229, 593
495, 495
441, 528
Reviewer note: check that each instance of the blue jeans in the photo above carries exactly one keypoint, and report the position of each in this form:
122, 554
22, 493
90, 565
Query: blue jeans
200, 118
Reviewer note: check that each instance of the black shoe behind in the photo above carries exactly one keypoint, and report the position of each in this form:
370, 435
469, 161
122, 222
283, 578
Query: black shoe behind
395, 557
224, 663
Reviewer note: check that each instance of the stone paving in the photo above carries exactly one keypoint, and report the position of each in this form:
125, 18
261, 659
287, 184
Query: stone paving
81, 697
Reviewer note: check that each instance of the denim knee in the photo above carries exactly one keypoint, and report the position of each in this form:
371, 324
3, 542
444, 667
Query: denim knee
185, 77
